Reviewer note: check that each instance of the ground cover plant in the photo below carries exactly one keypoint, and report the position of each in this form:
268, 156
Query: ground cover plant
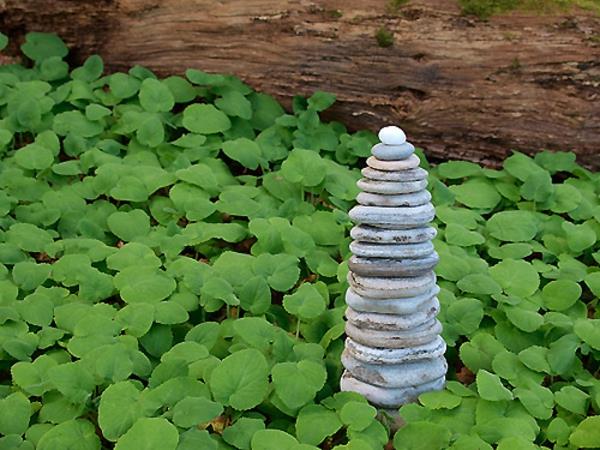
172, 274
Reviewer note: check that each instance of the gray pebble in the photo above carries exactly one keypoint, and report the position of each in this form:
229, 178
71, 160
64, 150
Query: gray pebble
387, 267
387, 187
409, 163
386, 152
380, 235
413, 199
396, 338
396, 375
369, 250
371, 355
373, 287
388, 398
390, 322
403, 175
392, 305
393, 217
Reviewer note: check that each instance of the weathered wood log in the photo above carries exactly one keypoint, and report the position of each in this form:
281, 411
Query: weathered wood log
464, 88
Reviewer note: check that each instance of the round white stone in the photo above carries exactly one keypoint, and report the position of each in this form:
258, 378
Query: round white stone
392, 305
392, 135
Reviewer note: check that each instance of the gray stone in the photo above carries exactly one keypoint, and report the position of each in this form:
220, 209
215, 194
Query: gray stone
411, 373
369, 250
393, 217
433, 349
412, 199
379, 235
392, 135
390, 322
388, 398
381, 287
388, 267
386, 187
409, 163
386, 152
399, 305
402, 175
396, 338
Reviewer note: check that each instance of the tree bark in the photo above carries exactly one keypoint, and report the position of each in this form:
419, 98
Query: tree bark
461, 87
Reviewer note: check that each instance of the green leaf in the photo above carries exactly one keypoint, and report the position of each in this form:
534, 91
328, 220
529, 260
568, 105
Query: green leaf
421, 435
144, 285
456, 234
512, 226
587, 433
123, 86
39, 46
491, 388
560, 295
155, 96
303, 166
537, 187
273, 440
151, 131
73, 381
129, 225
588, 330
516, 277
306, 303
476, 193
357, 415
315, 423
579, 237
241, 380
244, 151
234, 103
194, 411
572, 399
34, 157
320, 101
297, 383
537, 400
149, 434
592, 281
17, 410
440, 400
478, 283
91, 70
76, 434
242, 431
205, 119
458, 169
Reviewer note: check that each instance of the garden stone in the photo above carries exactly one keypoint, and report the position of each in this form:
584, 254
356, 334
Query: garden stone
393, 350
387, 152
414, 199
410, 163
392, 135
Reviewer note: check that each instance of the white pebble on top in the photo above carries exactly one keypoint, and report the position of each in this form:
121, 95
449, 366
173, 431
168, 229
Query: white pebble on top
392, 135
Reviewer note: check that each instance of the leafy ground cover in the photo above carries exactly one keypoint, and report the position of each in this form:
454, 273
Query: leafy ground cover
172, 275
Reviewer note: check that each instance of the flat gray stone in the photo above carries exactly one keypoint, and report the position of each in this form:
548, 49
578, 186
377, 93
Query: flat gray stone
392, 135
401, 175
385, 397
409, 163
369, 250
387, 152
399, 305
393, 216
400, 236
380, 287
411, 373
433, 349
388, 187
388, 267
412, 199
422, 334
390, 322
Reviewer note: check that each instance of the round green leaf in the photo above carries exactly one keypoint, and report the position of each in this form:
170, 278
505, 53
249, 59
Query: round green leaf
559, 295
205, 119
149, 434
241, 380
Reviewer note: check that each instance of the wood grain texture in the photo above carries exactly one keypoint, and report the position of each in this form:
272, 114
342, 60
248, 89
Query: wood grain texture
460, 87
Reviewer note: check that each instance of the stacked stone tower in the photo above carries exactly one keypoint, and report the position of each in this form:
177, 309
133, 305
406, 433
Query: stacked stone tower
394, 351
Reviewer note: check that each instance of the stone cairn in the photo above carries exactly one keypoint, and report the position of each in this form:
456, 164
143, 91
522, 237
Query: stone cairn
394, 350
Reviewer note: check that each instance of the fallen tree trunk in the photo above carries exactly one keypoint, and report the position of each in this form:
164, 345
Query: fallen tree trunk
461, 87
